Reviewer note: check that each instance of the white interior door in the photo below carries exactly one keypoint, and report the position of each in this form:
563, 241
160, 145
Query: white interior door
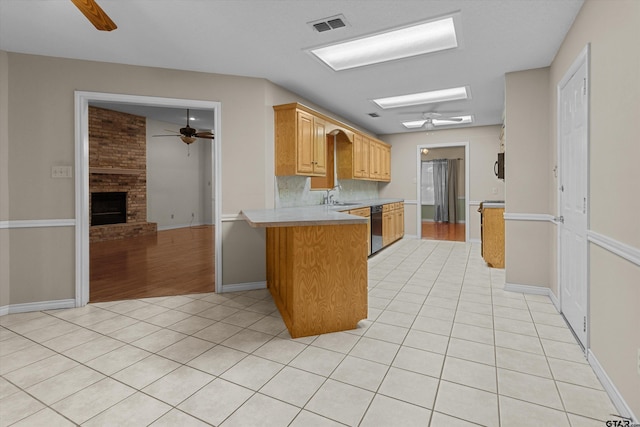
573, 122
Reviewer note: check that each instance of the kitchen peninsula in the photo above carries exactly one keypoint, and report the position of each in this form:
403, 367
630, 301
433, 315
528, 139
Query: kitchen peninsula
316, 266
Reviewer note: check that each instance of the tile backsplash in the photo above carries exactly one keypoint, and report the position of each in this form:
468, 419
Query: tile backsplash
296, 191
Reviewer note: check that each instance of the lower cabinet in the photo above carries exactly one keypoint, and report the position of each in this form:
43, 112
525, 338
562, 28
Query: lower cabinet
317, 276
492, 235
392, 222
366, 213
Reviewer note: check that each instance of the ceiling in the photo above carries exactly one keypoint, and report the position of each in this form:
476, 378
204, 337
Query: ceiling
270, 39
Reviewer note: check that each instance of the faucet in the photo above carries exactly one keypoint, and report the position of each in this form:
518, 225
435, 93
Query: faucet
328, 198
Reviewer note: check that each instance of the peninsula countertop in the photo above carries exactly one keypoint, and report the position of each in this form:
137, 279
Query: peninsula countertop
311, 215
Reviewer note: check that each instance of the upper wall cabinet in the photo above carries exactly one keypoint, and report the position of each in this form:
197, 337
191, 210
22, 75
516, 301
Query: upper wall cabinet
366, 158
301, 146
300, 142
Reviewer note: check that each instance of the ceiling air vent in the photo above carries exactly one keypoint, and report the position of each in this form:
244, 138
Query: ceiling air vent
330, 23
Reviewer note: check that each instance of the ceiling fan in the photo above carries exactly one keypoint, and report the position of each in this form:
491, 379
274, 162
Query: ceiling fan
428, 121
188, 135
95, 14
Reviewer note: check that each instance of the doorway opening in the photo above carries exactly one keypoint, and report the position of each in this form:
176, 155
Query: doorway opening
172, 192
443, 192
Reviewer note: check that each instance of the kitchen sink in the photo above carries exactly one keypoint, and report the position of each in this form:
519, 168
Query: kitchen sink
345, 204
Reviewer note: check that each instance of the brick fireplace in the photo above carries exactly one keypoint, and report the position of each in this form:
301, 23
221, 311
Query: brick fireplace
118, 167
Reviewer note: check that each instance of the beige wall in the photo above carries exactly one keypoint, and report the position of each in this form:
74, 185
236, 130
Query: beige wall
4, 180
483, 148
41, 98
528, 171
613, 30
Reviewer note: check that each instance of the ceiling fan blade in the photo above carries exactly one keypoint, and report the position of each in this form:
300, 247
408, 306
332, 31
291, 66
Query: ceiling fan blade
204, 134
450, 119
95, 14
167, 135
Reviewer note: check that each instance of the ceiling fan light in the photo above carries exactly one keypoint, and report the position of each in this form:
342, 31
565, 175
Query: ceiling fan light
414, 40
188, 139
442, 95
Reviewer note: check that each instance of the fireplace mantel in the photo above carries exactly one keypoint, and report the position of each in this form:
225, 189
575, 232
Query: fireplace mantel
116, 171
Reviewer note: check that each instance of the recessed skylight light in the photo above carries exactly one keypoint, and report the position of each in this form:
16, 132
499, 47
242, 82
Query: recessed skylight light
414, 124
405, 42
446, 122
442, 95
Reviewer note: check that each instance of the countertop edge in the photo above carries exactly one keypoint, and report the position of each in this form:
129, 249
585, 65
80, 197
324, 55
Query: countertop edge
314, 215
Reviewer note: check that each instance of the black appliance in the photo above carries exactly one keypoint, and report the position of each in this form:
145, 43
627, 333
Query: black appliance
376, 228
498, 167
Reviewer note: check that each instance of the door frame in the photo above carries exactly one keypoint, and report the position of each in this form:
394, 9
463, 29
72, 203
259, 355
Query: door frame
583, 58
419, 181
82, 223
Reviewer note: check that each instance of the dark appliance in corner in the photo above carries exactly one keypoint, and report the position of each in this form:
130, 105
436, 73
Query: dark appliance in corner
376, 228
498, 167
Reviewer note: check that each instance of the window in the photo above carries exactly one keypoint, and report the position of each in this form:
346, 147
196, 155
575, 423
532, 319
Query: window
426, 184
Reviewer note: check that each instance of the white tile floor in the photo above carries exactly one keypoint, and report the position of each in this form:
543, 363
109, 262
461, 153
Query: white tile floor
444, 345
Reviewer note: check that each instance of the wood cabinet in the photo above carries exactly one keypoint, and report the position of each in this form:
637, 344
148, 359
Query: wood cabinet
366, 158
301, 146
365, 213
300, 142
385, 163
317, 276
492, 234
392, 222
360, 156
399, 221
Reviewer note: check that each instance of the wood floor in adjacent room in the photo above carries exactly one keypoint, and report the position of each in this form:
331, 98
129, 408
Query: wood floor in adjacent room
443, 231
172, 262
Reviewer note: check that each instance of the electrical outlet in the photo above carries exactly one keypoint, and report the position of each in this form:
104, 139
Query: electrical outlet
171, 216
638, 361
193, 215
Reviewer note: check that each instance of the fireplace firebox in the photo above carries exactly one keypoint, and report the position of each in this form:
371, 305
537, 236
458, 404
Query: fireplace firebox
108, 208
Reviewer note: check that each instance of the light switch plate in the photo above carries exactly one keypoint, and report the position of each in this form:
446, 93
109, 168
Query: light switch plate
61, 172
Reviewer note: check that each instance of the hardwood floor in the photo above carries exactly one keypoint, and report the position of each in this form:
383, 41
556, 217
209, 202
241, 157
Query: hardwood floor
443, 231
172, 262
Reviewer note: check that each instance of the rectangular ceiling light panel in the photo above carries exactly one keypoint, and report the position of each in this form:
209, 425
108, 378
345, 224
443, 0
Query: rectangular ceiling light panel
445, 122
396, 44
441, 95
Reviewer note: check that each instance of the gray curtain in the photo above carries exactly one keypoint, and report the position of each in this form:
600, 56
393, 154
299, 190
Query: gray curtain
441, 199
452, 190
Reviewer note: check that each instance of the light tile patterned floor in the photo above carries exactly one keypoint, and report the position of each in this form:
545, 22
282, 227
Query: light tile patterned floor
444, 345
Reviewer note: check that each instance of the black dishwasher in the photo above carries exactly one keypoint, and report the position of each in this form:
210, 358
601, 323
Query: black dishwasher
376, 228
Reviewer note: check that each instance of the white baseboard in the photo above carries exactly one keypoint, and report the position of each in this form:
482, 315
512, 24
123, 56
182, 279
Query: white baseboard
533, 290
474, 241
37, 306
249, 286
176, 226
617, 399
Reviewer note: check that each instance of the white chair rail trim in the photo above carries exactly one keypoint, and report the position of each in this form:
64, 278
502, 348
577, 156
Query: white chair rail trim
37, 223
621, 249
